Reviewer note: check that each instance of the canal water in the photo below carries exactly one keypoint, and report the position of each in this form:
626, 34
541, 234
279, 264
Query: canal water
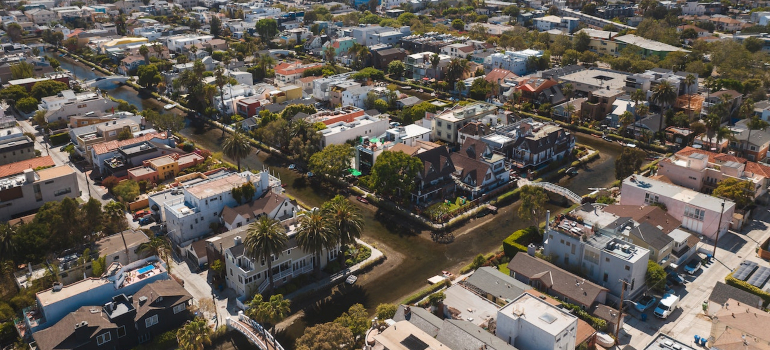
422, 257
126, 93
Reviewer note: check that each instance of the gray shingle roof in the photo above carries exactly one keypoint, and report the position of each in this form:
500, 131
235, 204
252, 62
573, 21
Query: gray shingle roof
652, 235
459, 334
421, 318
722, 292
494, 282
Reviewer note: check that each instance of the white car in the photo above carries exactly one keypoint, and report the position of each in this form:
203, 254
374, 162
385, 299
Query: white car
666, 306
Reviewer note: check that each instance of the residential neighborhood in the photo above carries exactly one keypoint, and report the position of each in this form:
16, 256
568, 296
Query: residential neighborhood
384, 174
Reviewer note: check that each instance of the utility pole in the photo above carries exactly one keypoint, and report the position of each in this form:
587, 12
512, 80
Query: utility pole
719, 228
620, 311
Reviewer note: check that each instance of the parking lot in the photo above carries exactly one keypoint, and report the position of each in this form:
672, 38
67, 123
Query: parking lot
689, 319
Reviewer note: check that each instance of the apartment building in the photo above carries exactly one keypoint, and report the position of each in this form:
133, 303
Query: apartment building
605, 259
337, 90
345, 114
190, 208
446, 123
458, 50
530, 144
698, 212
702, 171
98, 130
164, 168
362, 126
15, 146
514, 61
89, 106
648, 80
322, 87
177, 43
147, 146
287, 73
367, 151
531, 323
564, 24
27, 190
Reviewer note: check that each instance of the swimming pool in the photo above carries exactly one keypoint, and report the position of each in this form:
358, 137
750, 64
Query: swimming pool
146, 269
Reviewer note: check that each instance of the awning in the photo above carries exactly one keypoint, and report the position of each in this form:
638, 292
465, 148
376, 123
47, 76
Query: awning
354, 172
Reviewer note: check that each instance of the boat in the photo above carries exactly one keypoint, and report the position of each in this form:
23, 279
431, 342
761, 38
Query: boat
572, 171
604, 340
606, 138
169, 106
351, 279
362, 200
93, 68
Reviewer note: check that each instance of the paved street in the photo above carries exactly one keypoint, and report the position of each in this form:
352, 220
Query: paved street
690, 320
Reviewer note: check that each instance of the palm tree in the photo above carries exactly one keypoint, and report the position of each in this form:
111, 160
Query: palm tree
626, 119
713, 122
434, 62
460, 87
195, 335
663, 94
314, 234
457, 68
567, 89
569, 110
158, 48
236, 146
264, 62
265, 239
275, 310
755, 124
156, 246
638, 95
689, 80
115, 213
7, 247
329, 54
345, 219
746, 110
724, 133
220, 80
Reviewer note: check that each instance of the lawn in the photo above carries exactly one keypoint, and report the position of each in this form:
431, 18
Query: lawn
504, 269
452, 206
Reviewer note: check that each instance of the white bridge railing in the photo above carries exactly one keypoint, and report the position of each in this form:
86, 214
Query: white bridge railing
572, 196
254, 331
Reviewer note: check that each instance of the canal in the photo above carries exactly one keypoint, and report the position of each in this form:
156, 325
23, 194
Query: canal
418, 257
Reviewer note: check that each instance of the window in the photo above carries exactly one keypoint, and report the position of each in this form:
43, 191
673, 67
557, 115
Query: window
151, 321
628, 268
607, 259
62, 191
103, 338
179, 308
650, 199
606, 277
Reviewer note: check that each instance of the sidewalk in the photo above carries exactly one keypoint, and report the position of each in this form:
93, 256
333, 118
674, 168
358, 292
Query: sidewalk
339, 276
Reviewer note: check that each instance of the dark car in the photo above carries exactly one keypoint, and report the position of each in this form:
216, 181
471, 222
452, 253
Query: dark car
675, 278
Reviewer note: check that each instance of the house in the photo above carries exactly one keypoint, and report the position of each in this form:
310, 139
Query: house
649, 47
494, 285
273, 205
478, 169
345, 114
381, 58
88, 131
434, 181
473, 130
565, 112
190, 208
446, 123
130, 63
727, 24
401, 335
92, 105
513, 61
249, 107
679, 137
164, 168
458, 50
605, 259
555, 281
531, 323
564, 24
419, 66
702, 171
722, 292
247, 276
287, 73
530, 144
412, 137
56, 303
362, 126
29, 190
739, 325
123, 322
663, 341
600, 104
698, 212
585, 81
753, 148
540, 91
15, 146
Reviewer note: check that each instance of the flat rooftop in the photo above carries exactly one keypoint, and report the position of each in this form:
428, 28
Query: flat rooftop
678, 193
539, 313
471, 307
596, 77
217, 186
55, 172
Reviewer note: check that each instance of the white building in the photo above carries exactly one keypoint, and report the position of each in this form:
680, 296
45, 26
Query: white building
355, 96
564, 24
458, 50
322, 87
514, 61
51, 103
408, 135
177, 43
363, 126
446, 123
29, 189
533, 324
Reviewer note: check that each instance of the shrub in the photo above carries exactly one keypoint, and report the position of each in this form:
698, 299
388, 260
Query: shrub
59, 139
188, 147
422, 293
595, 322
518, 241
732, 281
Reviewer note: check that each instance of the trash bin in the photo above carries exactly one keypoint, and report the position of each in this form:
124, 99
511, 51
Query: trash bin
697, 339
703, 341
644, 317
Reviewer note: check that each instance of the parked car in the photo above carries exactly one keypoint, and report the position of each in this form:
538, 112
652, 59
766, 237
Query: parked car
692, 266
645, 303
675, 278
140, 214
666, 306
148, 219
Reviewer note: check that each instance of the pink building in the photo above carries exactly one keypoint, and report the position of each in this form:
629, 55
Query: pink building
698, 212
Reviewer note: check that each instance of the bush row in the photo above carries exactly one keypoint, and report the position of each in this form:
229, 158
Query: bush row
518, 241
732, 281
59, 139
422, 293
598, 323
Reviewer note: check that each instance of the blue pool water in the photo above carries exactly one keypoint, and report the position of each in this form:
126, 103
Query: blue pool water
146, 269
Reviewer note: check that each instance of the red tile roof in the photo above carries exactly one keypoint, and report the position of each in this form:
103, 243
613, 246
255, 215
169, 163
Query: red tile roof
499, 74
713, 156
296, 67
104, 147
19, 167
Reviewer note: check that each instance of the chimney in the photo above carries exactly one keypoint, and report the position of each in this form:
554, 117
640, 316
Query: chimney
29, 175
237, 240
57, 286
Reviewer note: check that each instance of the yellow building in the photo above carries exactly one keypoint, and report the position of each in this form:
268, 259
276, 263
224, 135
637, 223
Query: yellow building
122, 42
286, 93
602, 41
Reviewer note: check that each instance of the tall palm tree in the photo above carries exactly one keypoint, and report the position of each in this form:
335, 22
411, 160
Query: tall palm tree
275, 310
746, 110
626, 119
456, 68
7, 247
435, 59
689, 81
724, 133
567, 89
264, 62
345, 219
156, 246
663, 94
195, 335
314, 235
638, 95
713, 122
266, 238
220, 80
236, 146
115, 212
329, 54
158, 48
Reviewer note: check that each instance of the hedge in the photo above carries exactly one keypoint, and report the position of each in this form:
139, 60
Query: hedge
422, 293
732, 281
59, 139
598, 323
516, 242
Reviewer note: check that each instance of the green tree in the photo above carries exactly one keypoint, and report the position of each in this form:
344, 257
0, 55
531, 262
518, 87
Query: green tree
291, 110
267, 28
314, 234
456, 68
326, 336
480, 89
99, 265
344, 219
270, 311
664, 94
333, 160
626, 119
458, 24
115, 217
47, 88
7, 248
126, 190
148, 75
755, 124
570, 57
329, 55
411, 114
27, 104
92, 217
753, 44
629, 161
394, 173
13, 93
655, 276
265, 238
396, 68
740, 192
236, 146
533, 200
22, 70
385, 311
436, 298
194, 335
14, 31
166, 121
381, 105
158, 246
356, 319
216, 26
125, 134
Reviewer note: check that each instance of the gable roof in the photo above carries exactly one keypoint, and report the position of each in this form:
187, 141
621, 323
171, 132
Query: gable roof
420, 318
475, 129
499, 75
649, 214
171, 292
253, 209
461, 334
470, 171
723, 292
560, 281
492, 281
436, 164
652, 235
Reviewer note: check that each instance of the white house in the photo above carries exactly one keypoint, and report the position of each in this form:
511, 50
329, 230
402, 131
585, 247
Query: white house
514, 61
533, 324
272, 205
363, 126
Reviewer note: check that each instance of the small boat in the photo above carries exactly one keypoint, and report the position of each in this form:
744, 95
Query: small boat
572, 171
93, 68
292, 166
630, 145
169, 106
362, 200
351, 279
605, 138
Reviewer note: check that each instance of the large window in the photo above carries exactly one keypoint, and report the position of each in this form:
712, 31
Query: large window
179, 308
151, 321
122, 331
694, 213
650, 199
103, 338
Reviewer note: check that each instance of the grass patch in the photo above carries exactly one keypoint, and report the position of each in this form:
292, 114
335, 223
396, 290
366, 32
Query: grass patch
504, 269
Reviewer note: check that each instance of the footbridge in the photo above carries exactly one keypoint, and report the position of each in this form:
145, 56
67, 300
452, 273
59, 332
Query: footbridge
254, 331
572, 196
102, 82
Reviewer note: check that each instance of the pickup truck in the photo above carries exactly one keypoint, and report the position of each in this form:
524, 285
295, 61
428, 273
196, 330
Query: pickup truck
666, 306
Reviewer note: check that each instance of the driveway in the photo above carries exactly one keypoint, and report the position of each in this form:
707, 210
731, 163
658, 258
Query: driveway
196, 283
689, 320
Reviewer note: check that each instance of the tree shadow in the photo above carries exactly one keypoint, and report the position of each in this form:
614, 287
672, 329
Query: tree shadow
339, 301
395, 224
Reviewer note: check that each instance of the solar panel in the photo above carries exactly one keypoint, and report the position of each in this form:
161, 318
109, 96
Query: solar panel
759, 277
413, 343
744, 270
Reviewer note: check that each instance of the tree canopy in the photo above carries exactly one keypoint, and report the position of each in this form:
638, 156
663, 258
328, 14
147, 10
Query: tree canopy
394, 173
740, 192
333, 160
628, 162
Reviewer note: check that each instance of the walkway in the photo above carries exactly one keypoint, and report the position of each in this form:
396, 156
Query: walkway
572, 196
256, 334
106, 81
